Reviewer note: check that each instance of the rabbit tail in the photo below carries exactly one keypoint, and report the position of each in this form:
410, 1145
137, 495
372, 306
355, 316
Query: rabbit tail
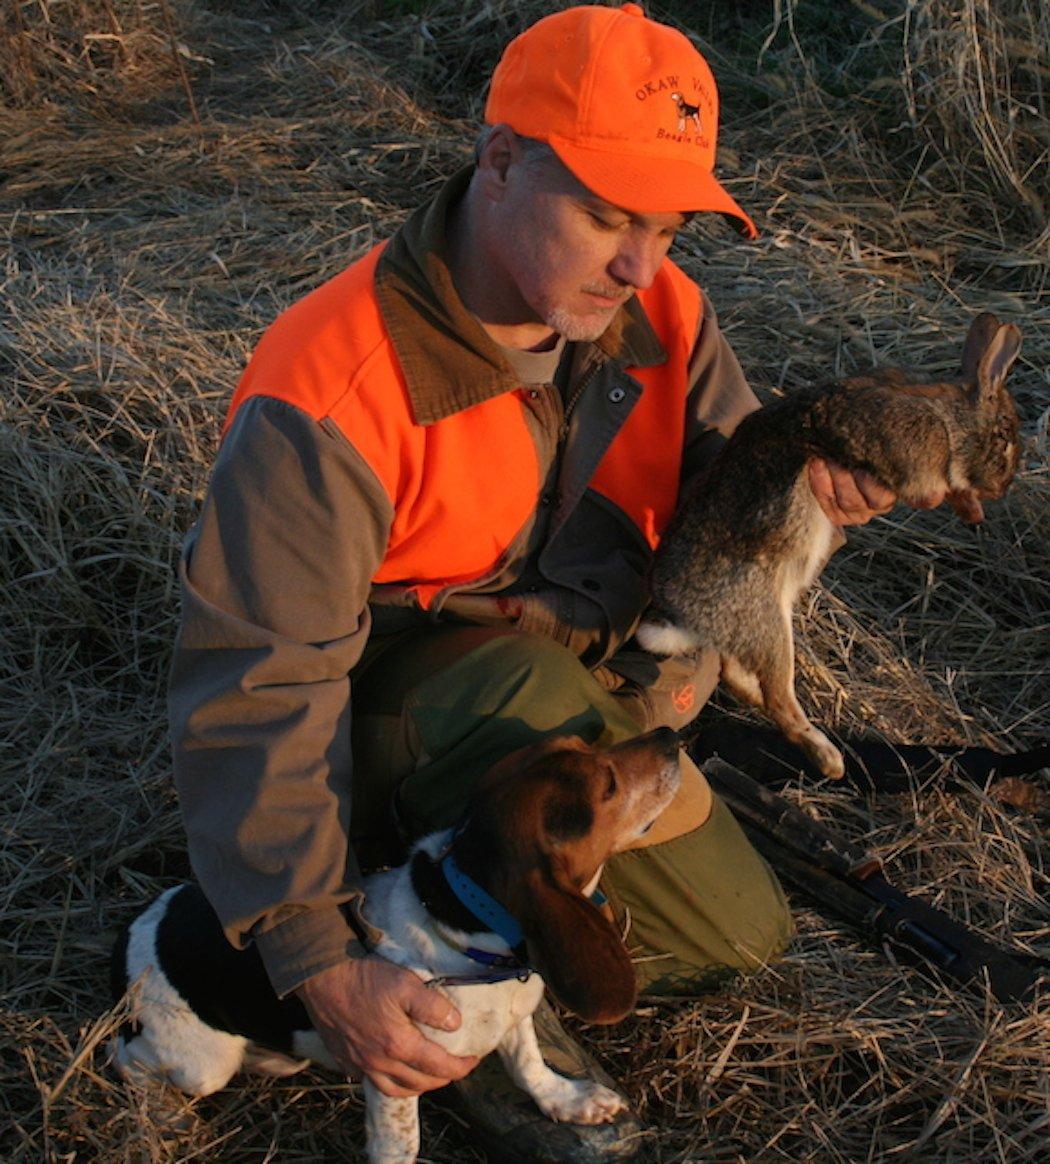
660, 635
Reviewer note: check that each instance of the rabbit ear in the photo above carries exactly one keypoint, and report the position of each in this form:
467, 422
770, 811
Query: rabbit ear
577, 951
989, 353
999, 358
980, 335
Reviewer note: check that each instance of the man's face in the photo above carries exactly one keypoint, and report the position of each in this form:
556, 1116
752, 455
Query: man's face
573, 258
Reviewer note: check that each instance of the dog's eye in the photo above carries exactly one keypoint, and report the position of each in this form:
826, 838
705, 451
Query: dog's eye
610, 787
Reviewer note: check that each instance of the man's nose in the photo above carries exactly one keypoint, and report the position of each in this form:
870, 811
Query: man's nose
637, 260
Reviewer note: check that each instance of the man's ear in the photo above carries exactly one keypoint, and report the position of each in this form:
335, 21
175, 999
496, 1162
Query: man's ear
495, 158
576, 950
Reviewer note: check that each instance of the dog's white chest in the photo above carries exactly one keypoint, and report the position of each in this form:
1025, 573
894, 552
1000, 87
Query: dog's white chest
487, 1011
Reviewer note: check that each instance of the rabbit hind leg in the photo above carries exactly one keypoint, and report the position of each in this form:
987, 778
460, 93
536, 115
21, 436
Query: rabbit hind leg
774, 673
742, 682
786, 712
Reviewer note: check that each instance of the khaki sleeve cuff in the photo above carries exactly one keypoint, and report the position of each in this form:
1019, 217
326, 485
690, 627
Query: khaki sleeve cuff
304, 945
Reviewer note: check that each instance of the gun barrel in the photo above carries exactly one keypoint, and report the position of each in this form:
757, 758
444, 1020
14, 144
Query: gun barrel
920, 939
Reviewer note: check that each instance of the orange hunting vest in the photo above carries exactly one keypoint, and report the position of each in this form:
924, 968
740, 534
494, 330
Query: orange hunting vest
462, 487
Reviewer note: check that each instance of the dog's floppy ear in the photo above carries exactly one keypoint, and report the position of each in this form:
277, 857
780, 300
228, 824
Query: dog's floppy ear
577, 951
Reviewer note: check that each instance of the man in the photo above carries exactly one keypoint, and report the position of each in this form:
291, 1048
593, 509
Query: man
440, 485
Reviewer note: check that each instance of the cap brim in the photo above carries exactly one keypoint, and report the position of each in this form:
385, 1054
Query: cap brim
650, 185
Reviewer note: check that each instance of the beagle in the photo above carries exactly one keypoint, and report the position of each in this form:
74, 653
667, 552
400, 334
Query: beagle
686, 112
488, 912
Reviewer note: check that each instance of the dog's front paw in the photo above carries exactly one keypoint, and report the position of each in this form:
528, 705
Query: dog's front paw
581, 1101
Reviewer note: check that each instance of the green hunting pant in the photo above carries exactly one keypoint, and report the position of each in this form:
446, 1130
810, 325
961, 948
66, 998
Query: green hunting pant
434, 709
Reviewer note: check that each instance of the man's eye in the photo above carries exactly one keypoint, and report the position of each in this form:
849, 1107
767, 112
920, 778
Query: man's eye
604, 223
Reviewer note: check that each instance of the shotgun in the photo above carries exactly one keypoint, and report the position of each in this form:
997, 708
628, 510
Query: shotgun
873, 764
853, 885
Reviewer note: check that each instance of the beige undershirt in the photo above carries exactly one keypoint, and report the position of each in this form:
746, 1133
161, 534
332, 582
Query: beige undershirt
535, 367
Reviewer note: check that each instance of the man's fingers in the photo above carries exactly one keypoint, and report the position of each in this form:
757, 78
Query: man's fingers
411, 1063
876, 496
424, 1067
423, 1055
406, 1077
392, 1087
412, 1049
425, 1005
848, 496
835, 491
379, 1036
820, 480
845, 496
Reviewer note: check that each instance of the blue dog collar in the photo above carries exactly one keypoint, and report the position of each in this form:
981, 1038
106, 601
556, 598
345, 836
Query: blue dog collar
488, 911
485, 907
481, 903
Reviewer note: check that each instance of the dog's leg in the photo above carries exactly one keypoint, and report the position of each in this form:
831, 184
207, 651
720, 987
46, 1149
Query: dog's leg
195, 1059
575, 1101
392, 1125
172, 1043
776, 675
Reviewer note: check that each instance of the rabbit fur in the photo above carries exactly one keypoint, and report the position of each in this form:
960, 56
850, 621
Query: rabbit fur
750, 536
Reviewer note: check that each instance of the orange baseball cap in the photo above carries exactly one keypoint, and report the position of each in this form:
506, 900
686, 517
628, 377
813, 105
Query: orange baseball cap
628, 105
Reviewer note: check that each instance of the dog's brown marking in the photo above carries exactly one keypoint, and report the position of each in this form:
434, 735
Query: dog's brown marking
555, 812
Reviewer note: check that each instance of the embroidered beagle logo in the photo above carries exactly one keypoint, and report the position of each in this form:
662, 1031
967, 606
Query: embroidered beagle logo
686, 112
697, 116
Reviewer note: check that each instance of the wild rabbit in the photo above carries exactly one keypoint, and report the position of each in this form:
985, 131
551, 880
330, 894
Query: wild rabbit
751, 536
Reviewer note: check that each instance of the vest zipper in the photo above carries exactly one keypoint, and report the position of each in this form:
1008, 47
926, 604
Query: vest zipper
574, 399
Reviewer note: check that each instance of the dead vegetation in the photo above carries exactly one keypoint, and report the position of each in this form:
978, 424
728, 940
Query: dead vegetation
172, 174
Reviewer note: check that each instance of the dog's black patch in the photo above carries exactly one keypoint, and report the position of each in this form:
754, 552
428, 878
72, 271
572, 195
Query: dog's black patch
226, 987
432, 888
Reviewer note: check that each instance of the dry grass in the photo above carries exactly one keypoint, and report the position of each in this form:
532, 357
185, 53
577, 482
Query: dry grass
895, 158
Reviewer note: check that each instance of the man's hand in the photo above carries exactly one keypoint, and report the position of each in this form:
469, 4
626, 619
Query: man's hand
849, 497
365, 1011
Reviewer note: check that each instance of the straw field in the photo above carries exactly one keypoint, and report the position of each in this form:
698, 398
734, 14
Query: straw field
172, 175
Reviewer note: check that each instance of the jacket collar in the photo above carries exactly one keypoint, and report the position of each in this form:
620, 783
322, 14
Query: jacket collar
448, 359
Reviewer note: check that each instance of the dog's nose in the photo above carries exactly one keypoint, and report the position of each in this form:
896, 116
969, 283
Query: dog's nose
666, 740
661, 742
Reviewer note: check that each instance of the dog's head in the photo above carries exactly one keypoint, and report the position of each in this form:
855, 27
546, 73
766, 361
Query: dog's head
541, 824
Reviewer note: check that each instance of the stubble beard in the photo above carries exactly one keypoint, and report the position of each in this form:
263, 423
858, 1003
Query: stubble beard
577, 327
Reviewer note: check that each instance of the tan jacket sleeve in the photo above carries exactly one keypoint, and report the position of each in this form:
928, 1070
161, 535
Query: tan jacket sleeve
719, 394
275, 579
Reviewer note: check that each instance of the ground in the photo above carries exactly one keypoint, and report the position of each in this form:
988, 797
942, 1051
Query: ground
172, 175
